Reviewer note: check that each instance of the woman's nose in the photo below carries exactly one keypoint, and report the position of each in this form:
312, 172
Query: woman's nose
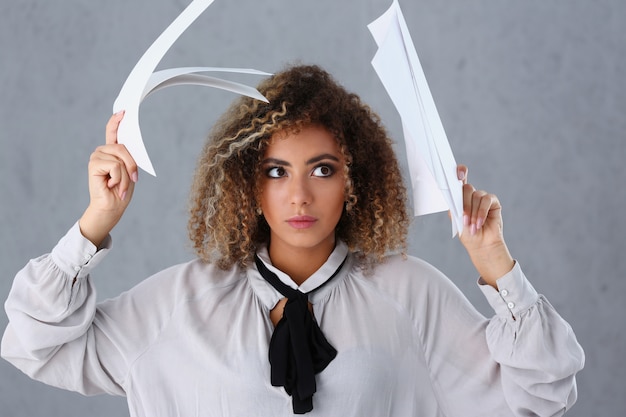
300, 192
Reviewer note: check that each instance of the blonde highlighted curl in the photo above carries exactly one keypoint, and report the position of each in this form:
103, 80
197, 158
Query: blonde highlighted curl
225, 226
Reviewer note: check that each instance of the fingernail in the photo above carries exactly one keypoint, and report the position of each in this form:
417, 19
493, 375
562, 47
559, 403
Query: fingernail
119, 113
134, 176
479, 223
473, 229
123, 196
461, 175
465, 220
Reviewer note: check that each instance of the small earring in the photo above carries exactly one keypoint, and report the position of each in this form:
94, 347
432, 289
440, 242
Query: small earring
259, 211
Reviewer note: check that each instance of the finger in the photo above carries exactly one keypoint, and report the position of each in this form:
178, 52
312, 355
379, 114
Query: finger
468, 191
481, 205
112, 126
472, 203
115, 165
461, 172
112, 172
120, 152
120, 179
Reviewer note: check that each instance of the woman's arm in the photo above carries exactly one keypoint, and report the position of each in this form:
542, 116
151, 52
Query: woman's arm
533, 355
482, 235
52, 304
51, 308
521, 362
112, 175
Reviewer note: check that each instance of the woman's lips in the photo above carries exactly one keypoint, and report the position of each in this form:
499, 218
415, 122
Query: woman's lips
301, 222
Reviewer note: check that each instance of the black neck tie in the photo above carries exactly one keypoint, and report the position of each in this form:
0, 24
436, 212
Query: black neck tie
298, 348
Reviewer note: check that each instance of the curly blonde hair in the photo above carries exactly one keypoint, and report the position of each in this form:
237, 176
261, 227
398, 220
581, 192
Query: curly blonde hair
225, 226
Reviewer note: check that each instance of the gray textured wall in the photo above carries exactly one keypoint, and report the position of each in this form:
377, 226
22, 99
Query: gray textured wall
531, 93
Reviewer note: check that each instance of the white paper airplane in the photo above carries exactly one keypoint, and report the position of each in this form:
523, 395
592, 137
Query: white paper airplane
432, 167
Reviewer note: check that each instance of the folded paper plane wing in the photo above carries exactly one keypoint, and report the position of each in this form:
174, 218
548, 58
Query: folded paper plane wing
142, 81
432, 167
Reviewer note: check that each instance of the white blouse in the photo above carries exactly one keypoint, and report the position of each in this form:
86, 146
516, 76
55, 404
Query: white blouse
193, 340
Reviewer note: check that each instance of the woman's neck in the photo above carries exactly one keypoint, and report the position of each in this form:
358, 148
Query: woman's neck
299, 263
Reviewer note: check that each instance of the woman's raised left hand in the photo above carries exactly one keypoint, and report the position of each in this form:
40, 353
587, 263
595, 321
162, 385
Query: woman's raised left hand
483, 235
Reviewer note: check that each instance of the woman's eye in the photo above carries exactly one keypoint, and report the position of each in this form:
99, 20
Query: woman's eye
323, 171
276, 172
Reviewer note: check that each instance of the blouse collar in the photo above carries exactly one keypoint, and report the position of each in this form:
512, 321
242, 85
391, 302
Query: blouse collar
270, 296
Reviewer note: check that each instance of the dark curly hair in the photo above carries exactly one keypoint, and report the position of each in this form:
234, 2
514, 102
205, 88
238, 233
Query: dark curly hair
224, 225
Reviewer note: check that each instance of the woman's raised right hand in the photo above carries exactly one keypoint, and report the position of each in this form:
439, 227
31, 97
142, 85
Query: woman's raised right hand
112, 177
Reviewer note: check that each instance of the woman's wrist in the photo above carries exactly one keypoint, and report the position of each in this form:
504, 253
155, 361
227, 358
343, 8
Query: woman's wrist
95, 225
492, 263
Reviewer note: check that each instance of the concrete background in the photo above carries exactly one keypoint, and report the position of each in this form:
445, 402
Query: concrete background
531, 93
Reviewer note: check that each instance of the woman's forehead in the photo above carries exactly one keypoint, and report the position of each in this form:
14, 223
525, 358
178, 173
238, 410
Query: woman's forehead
305, 140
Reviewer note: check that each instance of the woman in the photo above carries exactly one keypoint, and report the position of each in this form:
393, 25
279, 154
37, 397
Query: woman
299, 221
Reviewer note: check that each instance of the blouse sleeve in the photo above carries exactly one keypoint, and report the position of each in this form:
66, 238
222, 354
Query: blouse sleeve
520, 362
51, 308
536, 349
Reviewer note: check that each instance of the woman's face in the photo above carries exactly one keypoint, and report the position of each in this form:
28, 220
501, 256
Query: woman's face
302, 190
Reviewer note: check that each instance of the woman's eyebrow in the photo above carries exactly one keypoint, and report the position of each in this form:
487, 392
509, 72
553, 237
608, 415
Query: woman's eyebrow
321, 158
276, 161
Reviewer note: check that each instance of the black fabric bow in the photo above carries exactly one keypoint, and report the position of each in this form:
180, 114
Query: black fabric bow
298, 348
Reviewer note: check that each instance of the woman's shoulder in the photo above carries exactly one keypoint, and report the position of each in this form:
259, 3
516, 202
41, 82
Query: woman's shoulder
403, 276
195, 275
401, 267
414, 287
185, 281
